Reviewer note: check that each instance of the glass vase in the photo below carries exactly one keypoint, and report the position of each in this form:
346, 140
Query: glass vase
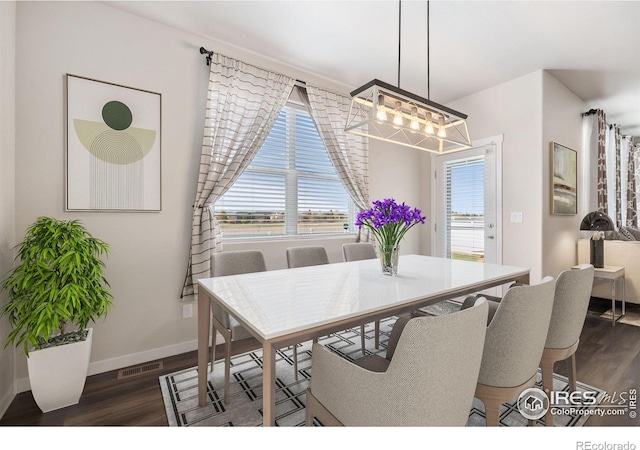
389, 259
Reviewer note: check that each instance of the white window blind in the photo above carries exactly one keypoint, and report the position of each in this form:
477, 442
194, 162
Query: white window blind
463, 208
290, 187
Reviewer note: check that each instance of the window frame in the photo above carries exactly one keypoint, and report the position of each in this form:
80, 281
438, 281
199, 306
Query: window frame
291, 178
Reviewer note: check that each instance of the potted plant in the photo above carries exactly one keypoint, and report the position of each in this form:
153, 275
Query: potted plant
57, 285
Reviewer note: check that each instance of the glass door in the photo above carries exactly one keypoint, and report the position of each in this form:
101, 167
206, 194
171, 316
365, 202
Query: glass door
467, 215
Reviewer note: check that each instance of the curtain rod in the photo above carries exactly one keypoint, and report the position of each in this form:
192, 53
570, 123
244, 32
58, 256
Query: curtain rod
204, 51
588, 113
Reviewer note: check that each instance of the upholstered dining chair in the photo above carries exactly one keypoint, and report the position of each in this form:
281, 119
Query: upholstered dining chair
513, 345
412, 385
233, 263
306, 256
357, 251
570, 304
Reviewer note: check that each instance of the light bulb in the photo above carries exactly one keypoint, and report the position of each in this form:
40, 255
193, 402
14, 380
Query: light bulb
397, 118
441, 131
381, 114
429, 125
414, 119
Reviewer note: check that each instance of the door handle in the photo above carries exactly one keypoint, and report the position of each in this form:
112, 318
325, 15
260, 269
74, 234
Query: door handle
491, 236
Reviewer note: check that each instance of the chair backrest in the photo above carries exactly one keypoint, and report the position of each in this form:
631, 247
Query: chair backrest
357, 251
306, 256
234, 263
237, 262
431, 378
573, 292
517, 334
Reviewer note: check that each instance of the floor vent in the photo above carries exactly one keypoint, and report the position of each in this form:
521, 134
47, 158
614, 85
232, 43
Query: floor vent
139, 370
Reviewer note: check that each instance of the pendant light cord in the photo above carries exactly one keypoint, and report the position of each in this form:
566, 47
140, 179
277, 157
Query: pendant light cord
428, 74
399, 37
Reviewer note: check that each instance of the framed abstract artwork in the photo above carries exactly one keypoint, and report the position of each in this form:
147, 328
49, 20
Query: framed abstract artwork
113, 147
564, 180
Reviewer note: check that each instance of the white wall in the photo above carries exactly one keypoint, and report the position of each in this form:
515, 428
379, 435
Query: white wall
149, 250
514, 109
7, 186
531, 111
562, 123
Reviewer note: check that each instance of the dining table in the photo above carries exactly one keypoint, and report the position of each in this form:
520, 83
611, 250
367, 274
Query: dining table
285, 307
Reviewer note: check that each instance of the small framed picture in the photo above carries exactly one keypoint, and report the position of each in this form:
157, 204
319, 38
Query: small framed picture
113, 147
564, 180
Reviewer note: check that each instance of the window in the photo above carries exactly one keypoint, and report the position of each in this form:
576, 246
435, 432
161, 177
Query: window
462, 208
290, 187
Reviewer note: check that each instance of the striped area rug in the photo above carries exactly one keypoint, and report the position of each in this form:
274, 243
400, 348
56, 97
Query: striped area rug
179, 389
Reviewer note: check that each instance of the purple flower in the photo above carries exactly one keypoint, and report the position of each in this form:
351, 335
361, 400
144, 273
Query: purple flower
389, 221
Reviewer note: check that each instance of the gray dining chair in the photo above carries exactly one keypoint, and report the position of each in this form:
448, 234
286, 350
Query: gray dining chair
357, 251
411, 386
233, 263
306, 256
513, 346
570, 304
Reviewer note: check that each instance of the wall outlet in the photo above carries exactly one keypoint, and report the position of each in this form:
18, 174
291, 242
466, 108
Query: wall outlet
516, 217
187, 311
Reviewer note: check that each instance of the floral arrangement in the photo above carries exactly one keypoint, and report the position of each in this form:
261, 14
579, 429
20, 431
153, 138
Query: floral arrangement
389, 221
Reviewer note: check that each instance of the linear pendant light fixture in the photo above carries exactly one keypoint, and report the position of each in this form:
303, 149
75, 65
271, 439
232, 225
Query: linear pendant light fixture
387, 113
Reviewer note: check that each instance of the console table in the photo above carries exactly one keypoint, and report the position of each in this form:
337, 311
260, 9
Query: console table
612, 274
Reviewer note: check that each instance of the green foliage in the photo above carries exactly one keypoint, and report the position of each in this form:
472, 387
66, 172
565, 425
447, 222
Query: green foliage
59, 280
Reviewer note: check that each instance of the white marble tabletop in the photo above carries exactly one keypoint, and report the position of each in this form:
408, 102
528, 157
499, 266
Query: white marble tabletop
280, 302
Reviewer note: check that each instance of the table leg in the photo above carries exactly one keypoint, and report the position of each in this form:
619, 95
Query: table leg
204, 322
623, 294
268, 384
613, 302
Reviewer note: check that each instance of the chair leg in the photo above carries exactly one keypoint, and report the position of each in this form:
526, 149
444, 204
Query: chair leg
494, 396
377, 337
547, 385
227, 369
549, 357
547, 375
295, 361
362, 338
571, 370
492, 411
213, 350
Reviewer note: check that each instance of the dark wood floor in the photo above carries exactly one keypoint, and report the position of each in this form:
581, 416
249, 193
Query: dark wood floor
608, 357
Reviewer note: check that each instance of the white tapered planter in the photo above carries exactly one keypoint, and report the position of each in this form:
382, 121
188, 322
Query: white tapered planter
57, 374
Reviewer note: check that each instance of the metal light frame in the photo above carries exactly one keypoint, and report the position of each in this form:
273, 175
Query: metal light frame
377, 96
417, 121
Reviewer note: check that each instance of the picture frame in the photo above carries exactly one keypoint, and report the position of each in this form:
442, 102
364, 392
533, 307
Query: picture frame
564, 180
113, 147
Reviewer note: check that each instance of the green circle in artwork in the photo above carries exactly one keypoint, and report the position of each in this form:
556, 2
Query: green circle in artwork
117, 115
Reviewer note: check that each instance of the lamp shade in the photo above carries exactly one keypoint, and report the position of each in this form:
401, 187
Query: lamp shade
597, 221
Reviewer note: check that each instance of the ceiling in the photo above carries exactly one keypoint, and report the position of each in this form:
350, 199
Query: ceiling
590, 46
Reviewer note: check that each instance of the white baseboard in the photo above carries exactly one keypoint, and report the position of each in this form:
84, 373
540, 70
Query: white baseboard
107, 365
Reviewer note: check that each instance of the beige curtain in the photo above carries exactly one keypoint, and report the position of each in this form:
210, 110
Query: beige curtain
348, 152
243, 104
631, 187
602, 161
